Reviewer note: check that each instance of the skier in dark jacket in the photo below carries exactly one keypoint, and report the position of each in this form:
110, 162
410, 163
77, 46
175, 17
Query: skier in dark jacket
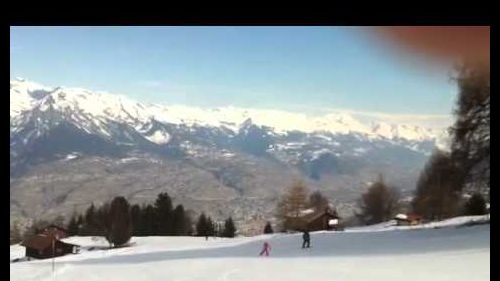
306, 239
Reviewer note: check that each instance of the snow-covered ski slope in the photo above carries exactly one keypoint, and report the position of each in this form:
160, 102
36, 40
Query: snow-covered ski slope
453, 252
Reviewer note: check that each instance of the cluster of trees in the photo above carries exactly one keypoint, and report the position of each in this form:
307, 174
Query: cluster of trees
112, 220
440, 188
117, 221
379, 203
205, 226
466, 168
295, 199
437, 196
448, 175
161, 218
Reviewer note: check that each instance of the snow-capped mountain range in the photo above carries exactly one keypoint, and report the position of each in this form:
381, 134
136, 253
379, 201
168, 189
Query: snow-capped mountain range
92, 112
70, 147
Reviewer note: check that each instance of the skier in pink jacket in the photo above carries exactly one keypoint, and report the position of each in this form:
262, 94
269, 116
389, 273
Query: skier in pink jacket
265, 249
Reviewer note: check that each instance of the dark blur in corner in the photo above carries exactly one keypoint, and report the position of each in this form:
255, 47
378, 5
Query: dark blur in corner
442, 43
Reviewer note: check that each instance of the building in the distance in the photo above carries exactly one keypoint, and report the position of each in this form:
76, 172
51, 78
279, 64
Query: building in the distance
47, 244
314, 220
408, 219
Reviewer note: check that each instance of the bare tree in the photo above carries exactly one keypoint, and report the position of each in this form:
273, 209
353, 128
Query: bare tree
379, 203
15, 233
293, 201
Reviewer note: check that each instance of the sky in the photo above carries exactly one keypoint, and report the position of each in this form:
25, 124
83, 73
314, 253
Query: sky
303, 69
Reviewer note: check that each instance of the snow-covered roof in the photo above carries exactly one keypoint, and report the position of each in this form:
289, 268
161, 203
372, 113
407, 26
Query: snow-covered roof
306, 212
401, 216
333, 222
408, 217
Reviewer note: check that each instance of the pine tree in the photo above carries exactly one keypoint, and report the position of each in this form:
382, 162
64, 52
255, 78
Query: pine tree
268, 229
179, 221
188, 222
73, 225
476, 205
101, 220
164, 214
150, 226
119, 223
89, 223
202, 226
80, 223
136, 216
210, 227
229, 228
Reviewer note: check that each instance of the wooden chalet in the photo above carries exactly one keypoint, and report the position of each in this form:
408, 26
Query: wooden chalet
314, 221
42, 246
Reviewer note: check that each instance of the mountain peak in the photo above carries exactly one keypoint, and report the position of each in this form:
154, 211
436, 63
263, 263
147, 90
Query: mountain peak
247, 123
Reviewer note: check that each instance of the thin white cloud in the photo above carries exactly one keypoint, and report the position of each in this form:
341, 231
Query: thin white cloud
426, 120
183, 94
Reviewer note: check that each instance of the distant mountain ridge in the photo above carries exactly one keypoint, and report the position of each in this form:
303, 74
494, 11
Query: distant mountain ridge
28, 96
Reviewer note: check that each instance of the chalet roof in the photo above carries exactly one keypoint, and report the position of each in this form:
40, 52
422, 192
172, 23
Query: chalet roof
41, 241
306, 212
38, 242
314, 216
401, 217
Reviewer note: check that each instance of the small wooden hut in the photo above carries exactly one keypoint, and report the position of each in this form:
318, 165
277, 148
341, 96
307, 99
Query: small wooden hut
42, 246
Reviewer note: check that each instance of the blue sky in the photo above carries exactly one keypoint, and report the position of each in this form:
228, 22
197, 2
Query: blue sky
308, 69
